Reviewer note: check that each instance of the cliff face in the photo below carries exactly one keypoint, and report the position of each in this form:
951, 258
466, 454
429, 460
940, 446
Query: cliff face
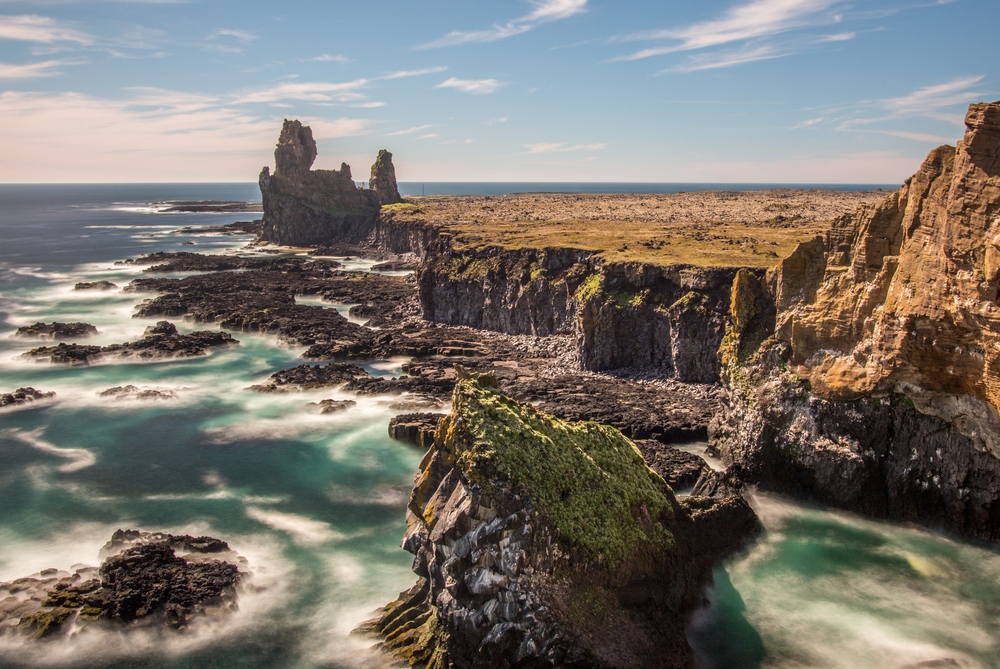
304, 207
624, 314
544, 543
880, 387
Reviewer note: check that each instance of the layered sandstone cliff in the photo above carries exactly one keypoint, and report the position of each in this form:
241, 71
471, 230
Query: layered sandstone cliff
303, 206
539, 542
880, 386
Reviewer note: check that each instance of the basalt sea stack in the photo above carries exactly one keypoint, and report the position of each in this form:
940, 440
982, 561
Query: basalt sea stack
540, 542
307, 207
865, 372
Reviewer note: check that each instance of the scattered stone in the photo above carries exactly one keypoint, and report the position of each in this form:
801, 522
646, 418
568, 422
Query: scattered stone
95, 285
23, 396
678, 468
237, 228
307, 377
56, 331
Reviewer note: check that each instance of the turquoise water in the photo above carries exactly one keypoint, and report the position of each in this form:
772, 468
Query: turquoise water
316, 502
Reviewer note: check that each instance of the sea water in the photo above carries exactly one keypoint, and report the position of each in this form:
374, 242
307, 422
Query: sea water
316, 502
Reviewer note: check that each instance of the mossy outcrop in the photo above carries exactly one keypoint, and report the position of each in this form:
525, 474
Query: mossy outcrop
306, 207
541, 542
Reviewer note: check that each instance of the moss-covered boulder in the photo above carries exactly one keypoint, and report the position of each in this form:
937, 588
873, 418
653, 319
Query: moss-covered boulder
541, 542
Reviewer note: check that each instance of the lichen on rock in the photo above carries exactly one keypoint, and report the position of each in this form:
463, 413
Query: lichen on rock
541, 542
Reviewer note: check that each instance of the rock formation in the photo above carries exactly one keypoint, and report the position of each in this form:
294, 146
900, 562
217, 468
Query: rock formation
879, 388
56, 331
23, 396
545, 543
303, 206
152, 577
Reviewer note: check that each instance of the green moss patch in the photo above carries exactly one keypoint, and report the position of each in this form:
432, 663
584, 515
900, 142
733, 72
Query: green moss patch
587, 478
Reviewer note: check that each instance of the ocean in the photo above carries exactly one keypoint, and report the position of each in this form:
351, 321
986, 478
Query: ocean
316, 502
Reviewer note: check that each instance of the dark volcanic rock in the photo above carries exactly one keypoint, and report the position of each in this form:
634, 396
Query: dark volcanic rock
543, 543
333, 406
56, 331
396, 266
305, 377
159, 342
183, 261
416, 429
304, 207
131, 392
23, 396
95, 285
142, 578
678, 468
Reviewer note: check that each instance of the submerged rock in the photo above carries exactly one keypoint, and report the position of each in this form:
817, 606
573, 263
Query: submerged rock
545, 543
131, 392
306, 207
155, 577
23, 396
332, 406
95, 285
56, 331
307, 377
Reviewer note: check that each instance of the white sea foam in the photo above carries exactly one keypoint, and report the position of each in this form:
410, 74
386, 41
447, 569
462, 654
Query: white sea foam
300, 528
79, 458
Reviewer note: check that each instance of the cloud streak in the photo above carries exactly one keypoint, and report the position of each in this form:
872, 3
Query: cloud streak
562, 147
474, 86
544, 12
311, 91
34, 28
413, 73
35, 70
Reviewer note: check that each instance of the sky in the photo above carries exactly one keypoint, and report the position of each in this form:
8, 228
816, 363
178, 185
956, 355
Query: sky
720, 91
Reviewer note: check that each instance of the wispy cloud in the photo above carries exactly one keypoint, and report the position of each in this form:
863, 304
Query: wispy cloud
562, 147
34, 28
939, 102
34, 70
754, 31
407, 131
807, 123
314, 91
474, 86
241, 35
327, 58
430, 135
400, 74
544, 11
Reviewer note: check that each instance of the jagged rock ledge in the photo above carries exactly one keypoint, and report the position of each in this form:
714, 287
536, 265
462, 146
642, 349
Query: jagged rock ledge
148, 577
541, 542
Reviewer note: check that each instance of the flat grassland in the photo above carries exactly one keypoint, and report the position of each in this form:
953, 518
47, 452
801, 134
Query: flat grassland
710, 228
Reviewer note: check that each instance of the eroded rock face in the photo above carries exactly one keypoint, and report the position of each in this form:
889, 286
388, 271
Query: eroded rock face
306, 207
544, 543
56, 331
23, 396
878, 390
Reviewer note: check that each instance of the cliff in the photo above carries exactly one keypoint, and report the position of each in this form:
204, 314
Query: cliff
624, 315
878, 390
539, 542
305, 207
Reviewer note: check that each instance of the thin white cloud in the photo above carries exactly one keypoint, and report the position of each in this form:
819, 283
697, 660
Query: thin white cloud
474, 86
241, 35
544, 12
760, 18
430, 135
34, 28
931, 102
314, 91
562, 147
35, 70
407, 131
327, 58
807, 123
718, 59
413, 73
368, 105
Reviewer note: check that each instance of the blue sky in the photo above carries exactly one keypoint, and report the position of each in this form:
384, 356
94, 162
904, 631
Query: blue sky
805, 91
